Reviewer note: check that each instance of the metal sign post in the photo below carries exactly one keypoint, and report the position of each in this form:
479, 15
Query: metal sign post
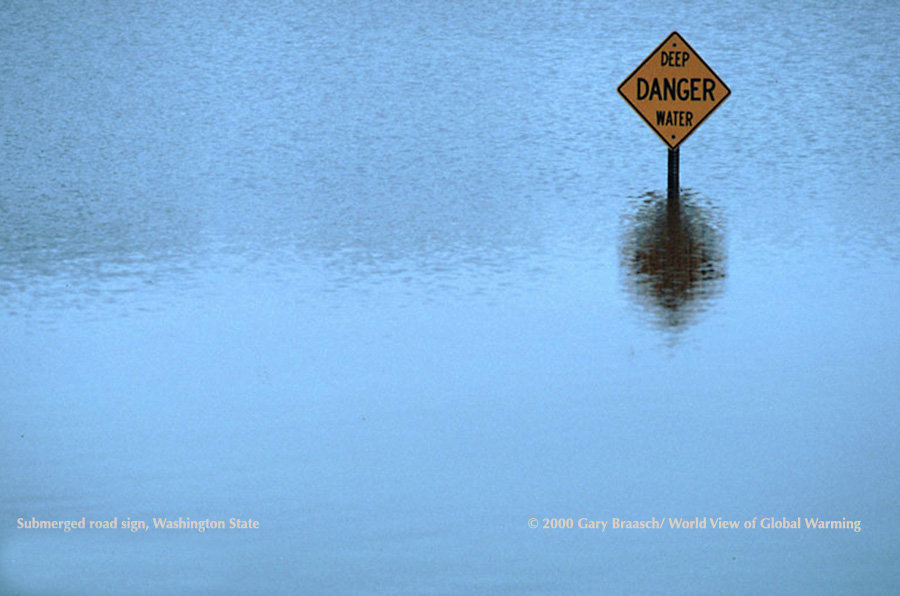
673, 186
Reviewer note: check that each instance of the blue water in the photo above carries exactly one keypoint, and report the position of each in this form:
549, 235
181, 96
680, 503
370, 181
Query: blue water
394, 278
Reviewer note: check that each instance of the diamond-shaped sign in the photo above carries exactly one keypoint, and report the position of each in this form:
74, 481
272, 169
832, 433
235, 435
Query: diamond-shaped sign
674, 90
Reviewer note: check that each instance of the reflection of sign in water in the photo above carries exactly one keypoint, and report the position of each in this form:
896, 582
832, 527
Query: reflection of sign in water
673, 258
674, 90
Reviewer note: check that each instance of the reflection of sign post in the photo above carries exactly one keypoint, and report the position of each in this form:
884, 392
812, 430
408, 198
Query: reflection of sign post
674, 91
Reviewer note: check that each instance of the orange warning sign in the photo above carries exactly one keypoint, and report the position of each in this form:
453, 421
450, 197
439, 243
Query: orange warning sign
674, 90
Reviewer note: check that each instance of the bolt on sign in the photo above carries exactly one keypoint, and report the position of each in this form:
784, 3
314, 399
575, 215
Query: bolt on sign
674, 90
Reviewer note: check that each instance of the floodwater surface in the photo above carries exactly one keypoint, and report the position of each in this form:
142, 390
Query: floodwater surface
393, 279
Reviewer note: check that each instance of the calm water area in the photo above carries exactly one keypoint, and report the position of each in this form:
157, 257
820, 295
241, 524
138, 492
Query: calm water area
393, 278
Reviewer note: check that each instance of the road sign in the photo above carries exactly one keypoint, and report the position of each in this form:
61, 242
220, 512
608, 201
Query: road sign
674, 90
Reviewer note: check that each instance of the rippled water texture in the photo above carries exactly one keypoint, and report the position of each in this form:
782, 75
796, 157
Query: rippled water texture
393, 278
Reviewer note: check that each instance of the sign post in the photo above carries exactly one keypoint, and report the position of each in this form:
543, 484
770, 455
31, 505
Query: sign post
674, 91
674, 184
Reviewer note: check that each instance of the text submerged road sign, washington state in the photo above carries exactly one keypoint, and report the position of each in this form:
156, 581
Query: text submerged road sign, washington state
674, 90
